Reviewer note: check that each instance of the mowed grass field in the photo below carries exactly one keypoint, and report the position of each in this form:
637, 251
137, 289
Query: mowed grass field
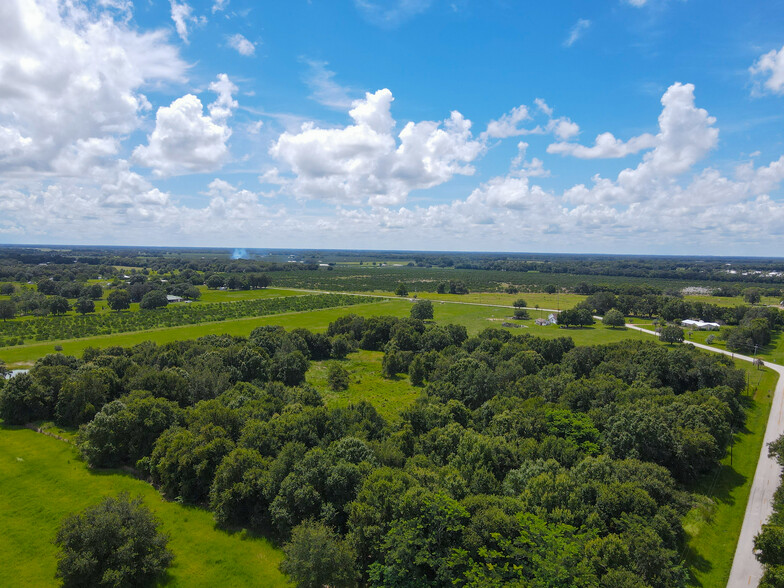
42, 481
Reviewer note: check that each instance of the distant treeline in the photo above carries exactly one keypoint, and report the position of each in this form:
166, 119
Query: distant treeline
90, 261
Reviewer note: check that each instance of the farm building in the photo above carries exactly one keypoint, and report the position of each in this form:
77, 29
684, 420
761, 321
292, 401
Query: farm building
700, 325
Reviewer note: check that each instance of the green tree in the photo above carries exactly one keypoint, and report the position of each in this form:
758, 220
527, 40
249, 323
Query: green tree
613, 318
317, 557
114, 543
84, 305
23, 400
118, 300
7, 310
520, 303
337, 377
752, 295
584, 317
401, 290
7, 289
215, 281
422, 310
671, 334
58, 305
521, 314
154, 299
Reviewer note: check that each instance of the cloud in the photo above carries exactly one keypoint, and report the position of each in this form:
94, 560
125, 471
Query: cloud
182, 15
72, 79
184, 139
365, 163
661, 204
507, 125
391, 13
770, 67
637, 3
577, 31
219, 5
325, 90
242, 45
605, 146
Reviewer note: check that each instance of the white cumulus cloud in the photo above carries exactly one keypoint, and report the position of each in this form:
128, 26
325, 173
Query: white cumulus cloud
185, 140
72, 79
366, 163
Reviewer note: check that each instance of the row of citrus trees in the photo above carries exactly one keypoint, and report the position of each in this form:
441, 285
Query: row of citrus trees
73, 327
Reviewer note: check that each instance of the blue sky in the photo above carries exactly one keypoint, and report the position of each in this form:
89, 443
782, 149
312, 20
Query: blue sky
623, 126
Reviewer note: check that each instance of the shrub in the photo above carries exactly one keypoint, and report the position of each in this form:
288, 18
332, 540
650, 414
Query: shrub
337, 377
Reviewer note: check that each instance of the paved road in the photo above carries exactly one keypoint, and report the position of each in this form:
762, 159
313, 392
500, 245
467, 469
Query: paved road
746, 570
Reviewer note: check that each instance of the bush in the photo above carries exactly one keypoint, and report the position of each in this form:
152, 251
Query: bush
114, 543
317, 557
520, 303
337, 377
521, 314
401, 290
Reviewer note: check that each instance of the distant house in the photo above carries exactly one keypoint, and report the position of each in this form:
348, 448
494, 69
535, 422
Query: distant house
550, 320
171, 298
700, 325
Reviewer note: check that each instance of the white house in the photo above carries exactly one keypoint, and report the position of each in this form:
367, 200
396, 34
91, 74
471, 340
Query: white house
171, 298
700, 325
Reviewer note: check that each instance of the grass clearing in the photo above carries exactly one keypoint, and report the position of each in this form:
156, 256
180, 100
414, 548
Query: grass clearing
42, 480
713, 525
389, 397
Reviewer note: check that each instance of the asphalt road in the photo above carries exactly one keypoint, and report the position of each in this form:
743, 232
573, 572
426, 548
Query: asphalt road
746, 570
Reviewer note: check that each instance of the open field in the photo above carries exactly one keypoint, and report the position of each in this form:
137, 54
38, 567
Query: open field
731, 300
389, 397
474, 318
713, 525
42, 480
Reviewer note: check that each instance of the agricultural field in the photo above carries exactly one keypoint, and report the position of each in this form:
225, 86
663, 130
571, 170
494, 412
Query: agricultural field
42, 479
70, 327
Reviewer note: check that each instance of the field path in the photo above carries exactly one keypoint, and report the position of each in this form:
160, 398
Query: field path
746, 570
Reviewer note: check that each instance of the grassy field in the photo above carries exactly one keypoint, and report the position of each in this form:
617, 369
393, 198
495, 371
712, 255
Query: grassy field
366, 383
713, 525
208, 295
543, 300
730, 300
42, 480
474, 318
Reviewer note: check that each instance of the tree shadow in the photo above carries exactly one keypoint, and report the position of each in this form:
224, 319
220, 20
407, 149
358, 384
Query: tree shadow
695, 562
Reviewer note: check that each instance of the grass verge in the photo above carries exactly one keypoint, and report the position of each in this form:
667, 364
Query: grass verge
713, 525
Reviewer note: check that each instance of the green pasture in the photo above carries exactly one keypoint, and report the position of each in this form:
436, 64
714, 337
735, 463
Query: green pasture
389, 397
208, 295
541, 299
731, 300
42, 480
